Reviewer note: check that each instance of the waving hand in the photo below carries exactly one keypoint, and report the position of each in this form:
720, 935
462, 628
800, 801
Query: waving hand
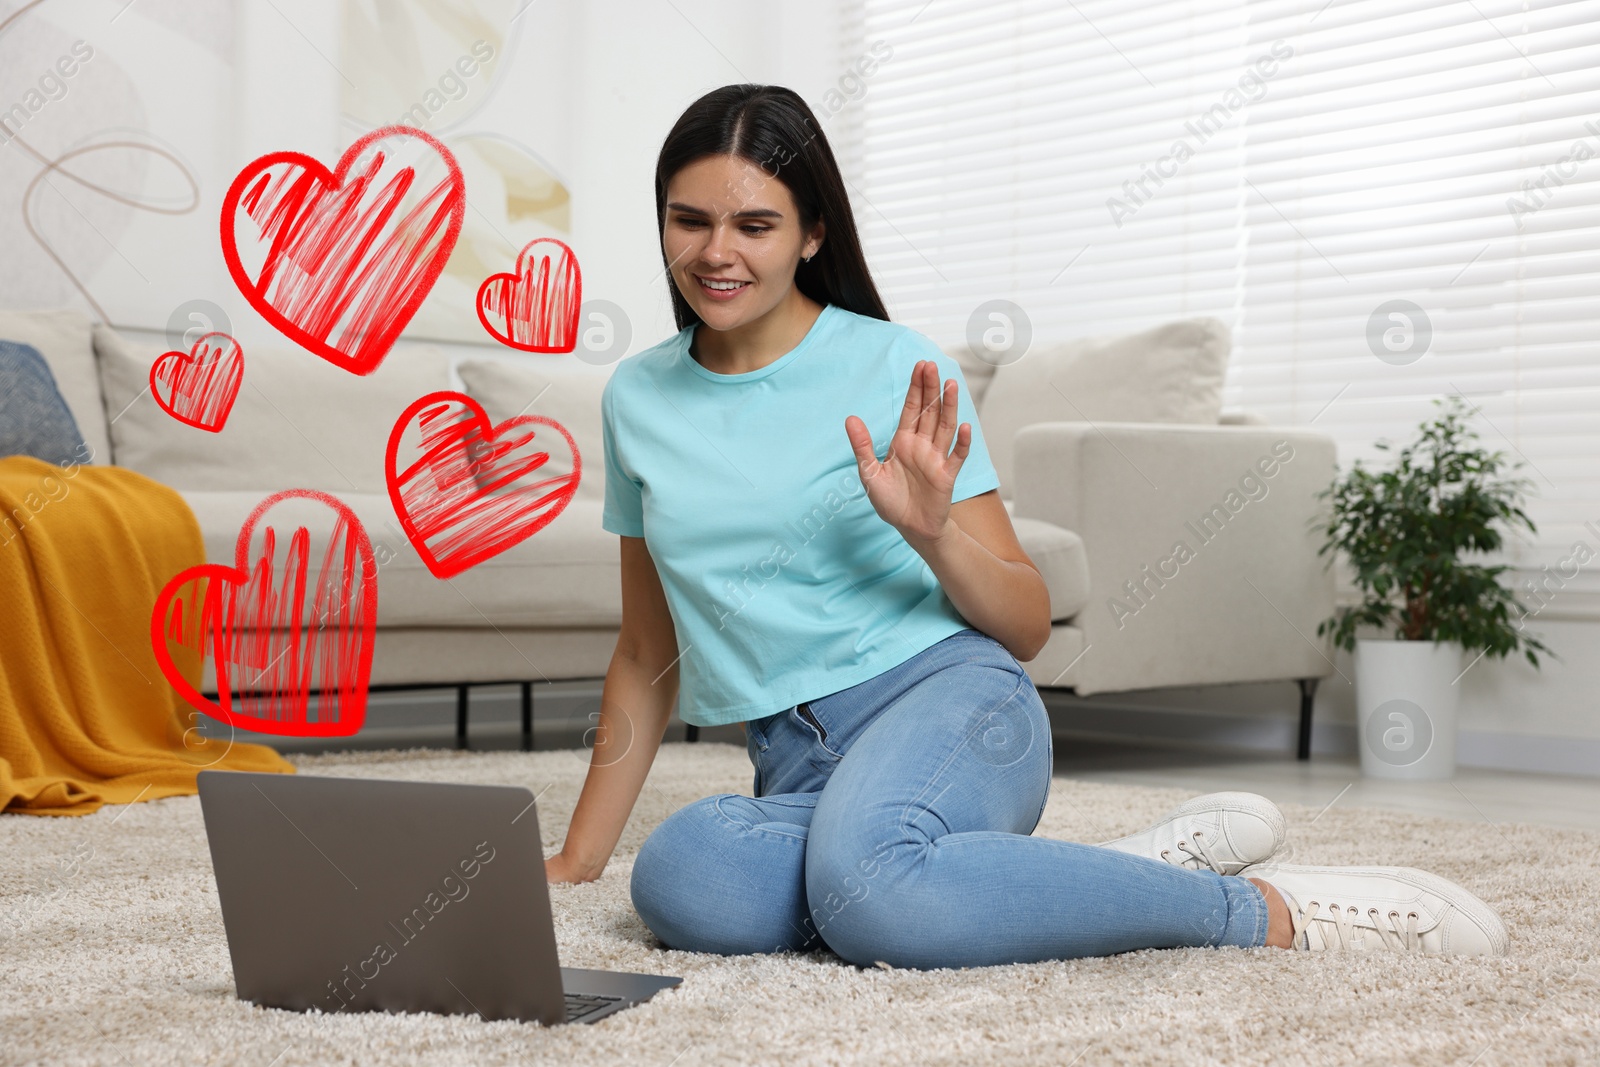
911, 488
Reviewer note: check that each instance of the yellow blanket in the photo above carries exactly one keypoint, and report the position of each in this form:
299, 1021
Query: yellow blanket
86, 717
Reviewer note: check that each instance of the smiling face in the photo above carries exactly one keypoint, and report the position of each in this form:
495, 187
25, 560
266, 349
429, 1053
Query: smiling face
728, 222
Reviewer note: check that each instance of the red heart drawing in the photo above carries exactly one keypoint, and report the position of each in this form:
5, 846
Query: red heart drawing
198, 389
340, 262
251, 619
535, 309
463, 498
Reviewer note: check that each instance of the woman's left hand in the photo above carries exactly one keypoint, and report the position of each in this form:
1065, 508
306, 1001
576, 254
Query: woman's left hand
911, 488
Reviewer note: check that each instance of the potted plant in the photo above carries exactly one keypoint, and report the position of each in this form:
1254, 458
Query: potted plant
1405, 532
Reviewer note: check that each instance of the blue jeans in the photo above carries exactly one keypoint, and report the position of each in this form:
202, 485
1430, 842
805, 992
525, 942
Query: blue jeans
891, 820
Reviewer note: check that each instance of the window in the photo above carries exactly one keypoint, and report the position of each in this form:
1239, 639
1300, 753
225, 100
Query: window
1387, 201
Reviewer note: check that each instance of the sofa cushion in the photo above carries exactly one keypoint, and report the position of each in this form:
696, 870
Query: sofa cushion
1172, 373
977, 371
550, 387
65, 341
34, 419
299, 421
567, 574
1059, 555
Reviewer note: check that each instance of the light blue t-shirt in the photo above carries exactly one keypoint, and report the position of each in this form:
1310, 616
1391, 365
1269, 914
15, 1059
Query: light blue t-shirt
783, 583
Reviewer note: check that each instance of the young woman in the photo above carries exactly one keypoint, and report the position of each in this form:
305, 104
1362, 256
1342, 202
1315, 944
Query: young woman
813, 545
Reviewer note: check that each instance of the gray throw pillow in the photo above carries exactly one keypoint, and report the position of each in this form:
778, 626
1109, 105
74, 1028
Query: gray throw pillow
34, 419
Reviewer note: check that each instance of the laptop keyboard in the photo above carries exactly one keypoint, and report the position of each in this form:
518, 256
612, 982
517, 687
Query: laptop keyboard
579, 1005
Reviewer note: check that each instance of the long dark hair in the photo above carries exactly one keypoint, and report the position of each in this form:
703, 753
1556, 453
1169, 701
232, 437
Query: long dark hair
771, 127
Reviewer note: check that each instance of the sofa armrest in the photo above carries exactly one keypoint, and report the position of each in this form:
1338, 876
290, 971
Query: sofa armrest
1201, 545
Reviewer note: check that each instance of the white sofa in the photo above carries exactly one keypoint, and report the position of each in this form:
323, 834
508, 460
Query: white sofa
1095, 498
1123, 441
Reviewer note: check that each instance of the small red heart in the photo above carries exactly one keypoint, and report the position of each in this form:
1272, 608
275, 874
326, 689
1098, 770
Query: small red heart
251, 619
198, 389
340, 262
463, 498
535, 309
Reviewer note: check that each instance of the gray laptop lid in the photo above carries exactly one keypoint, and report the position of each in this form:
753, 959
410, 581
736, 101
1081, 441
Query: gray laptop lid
357, 895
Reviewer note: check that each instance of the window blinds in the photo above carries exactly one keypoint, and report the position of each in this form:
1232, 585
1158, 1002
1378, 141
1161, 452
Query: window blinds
1387, 201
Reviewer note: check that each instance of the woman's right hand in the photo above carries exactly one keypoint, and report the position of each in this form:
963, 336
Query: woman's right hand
563, 868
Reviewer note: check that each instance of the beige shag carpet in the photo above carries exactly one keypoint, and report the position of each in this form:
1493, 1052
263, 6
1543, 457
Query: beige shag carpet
124, 961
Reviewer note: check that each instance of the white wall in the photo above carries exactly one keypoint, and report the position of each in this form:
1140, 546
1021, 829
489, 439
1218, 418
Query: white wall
1513, 717
593, 88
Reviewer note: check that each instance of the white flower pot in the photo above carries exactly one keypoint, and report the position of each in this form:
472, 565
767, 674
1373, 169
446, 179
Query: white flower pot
1407, 701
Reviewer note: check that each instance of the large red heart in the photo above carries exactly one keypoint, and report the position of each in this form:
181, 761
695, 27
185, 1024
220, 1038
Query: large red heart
340, 262
198, 389
464, 494
252, 619
535, 309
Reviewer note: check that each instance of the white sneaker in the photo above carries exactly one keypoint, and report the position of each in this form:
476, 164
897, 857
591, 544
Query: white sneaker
1224, 832
1377, 909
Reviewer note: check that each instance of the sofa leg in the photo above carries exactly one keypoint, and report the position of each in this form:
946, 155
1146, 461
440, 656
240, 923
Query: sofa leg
1308, 688
461, 716
527, 716
691, 732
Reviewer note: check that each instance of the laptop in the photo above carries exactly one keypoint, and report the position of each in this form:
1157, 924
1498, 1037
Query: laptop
356, 894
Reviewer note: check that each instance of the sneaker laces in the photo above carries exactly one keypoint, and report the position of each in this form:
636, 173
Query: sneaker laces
1199, 855
1348, 932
